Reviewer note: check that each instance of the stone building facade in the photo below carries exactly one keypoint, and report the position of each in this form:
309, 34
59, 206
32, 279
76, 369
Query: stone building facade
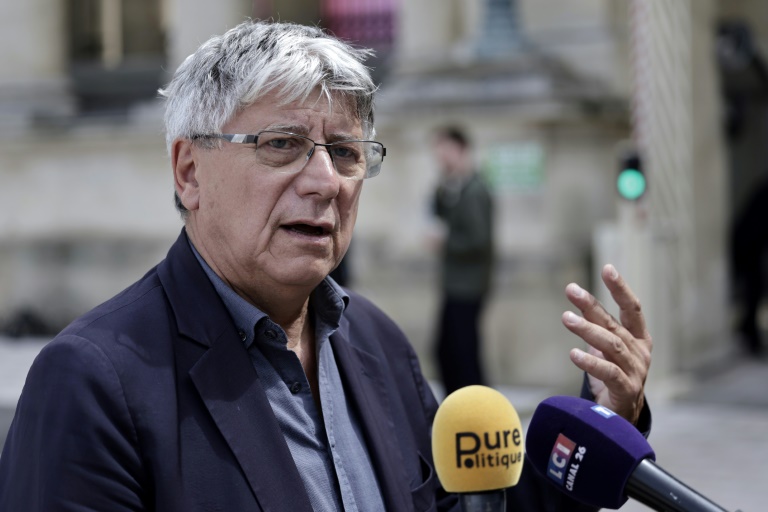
550, 90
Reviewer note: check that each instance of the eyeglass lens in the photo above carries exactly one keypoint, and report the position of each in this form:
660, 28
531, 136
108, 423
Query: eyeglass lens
352, 159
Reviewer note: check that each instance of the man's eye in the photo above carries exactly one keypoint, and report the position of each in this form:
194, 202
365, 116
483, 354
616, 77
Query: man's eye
280, 143
343, 152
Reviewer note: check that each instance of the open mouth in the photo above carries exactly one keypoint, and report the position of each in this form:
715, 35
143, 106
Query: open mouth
306, 229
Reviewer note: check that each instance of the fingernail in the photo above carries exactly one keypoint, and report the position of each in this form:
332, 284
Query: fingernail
572, 319
577, 354
576, 290
612, 272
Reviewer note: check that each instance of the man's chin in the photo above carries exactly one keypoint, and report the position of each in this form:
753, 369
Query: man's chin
305, 275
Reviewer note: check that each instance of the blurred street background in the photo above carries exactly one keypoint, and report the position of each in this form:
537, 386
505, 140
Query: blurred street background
555, 94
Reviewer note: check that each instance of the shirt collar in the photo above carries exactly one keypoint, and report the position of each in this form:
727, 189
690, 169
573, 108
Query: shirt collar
329, 300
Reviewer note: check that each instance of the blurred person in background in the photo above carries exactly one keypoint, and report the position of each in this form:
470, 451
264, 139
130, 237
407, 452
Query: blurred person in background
464, 204
749, 257
236, 375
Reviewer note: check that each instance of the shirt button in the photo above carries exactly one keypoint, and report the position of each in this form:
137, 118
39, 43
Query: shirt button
270, 334
242, 335
295, 387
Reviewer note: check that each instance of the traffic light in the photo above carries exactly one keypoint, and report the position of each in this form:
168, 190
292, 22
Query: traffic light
631, 183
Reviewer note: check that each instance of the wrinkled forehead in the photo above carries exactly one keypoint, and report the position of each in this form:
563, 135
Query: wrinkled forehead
336, 106
335, 113
320, 100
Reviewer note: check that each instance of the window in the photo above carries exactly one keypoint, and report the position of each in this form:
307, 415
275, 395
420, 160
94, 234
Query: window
117, 49
368, 23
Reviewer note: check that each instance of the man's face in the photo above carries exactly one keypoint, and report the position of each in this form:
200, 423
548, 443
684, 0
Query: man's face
257, 227
450, 155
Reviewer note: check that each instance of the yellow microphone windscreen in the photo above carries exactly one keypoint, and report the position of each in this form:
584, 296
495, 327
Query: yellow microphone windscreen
477, 441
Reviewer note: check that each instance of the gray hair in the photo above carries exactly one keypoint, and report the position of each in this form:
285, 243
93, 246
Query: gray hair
229, 72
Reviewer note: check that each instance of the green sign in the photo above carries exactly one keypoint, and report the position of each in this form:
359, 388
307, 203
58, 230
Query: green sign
515, 166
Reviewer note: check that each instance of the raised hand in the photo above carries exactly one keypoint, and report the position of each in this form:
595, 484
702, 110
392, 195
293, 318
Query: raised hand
619, 353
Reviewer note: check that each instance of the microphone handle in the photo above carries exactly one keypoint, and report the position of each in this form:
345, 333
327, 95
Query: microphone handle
652, 486
489, 501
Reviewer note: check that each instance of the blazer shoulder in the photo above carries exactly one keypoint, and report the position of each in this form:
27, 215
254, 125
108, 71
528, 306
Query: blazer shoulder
361, 311
140, 298
128, 329
374, 330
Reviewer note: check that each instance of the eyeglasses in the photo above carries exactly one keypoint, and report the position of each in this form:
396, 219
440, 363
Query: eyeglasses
289, 153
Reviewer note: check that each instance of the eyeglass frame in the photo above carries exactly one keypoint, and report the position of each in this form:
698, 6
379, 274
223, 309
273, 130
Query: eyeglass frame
243, 138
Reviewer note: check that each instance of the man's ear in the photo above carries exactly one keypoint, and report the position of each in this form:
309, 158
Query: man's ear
185, 173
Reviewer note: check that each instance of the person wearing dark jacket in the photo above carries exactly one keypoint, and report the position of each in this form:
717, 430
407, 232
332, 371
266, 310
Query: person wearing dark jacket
464, 204
236, 375
748, 249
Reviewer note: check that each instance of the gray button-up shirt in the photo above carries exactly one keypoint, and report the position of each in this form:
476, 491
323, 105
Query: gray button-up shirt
327, 445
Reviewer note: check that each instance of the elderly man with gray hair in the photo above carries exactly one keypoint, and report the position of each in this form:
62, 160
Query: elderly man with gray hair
236, 375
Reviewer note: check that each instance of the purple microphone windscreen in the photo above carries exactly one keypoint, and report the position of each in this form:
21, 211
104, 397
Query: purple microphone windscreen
585, 450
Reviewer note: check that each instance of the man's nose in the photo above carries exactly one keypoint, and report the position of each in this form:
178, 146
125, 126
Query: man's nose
319, 173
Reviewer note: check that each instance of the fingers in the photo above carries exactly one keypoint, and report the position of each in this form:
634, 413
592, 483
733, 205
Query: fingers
601, 369
620, 351
627, 344
591, 308
610, 385
632, 325
631, 313
616, 346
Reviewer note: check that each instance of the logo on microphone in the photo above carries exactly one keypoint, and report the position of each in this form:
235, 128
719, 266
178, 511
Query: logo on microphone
603, 411
488, 450
559, 467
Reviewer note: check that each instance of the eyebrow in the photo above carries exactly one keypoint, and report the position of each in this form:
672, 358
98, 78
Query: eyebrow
302, 130
293, 128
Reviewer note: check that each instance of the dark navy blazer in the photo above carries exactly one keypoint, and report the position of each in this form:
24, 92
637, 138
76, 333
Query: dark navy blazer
150, 402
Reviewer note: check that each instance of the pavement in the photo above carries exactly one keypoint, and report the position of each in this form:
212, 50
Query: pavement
713, 437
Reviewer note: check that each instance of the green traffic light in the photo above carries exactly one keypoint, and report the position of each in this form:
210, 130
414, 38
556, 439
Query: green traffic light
631, 184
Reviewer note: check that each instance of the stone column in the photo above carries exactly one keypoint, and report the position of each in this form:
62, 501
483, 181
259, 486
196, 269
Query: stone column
34, 60
673, 239
191, 22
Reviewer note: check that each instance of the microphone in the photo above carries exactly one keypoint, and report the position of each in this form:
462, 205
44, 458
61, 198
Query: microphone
600, 459
477, 446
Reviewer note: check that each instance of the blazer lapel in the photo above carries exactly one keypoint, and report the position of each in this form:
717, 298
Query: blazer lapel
365, 387
228, 384
230, 389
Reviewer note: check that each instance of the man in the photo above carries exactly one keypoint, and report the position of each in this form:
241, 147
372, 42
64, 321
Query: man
464, 204
748, 247
235, 376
